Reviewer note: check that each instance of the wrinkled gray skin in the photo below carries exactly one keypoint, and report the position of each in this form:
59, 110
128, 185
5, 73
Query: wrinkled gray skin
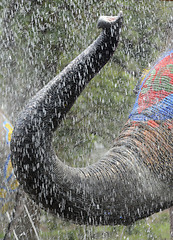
117, 189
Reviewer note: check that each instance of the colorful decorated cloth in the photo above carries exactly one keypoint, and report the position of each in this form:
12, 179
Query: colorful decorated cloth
8, 182
155, 97
150, 124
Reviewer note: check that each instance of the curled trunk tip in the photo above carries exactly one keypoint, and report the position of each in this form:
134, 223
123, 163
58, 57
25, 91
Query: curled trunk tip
106, 22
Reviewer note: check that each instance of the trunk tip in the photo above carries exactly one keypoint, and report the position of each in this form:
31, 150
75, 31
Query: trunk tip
109, 21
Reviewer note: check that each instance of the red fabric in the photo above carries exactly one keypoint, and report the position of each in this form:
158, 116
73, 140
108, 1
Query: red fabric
158, 84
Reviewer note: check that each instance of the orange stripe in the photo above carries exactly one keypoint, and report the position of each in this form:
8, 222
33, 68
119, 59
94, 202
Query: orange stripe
152, 123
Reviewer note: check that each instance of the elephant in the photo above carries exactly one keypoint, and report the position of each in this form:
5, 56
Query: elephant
134, 178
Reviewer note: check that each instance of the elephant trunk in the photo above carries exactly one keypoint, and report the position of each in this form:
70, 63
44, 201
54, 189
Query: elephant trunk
36, 166
57, 97
120, 188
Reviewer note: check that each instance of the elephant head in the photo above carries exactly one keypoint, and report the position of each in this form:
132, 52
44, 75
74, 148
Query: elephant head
133, 179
